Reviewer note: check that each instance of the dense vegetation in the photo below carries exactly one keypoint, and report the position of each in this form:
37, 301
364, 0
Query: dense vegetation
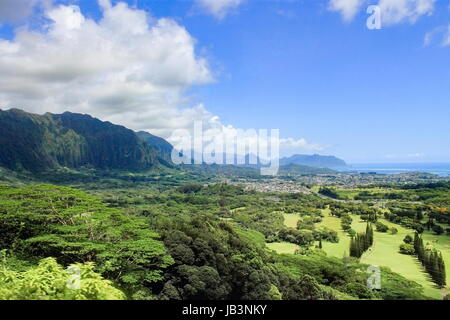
361, 242
49, 281
191, 242
34, 143
432, 261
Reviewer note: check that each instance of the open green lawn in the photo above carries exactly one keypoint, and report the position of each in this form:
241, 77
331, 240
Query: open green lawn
283, 247
291, 219
385, 251
340, 248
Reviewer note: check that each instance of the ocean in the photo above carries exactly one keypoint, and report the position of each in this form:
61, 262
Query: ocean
441, 169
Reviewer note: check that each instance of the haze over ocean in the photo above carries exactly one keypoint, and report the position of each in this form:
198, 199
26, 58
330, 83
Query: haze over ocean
441, 169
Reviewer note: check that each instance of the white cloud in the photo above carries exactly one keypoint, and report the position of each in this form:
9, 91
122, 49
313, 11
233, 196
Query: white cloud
446, 41
417, 155
301, 144
241, 142
439, 35
392, 11
127, 68
15, 11
397, 11
290, 14
219, 8
428, 38
347, 8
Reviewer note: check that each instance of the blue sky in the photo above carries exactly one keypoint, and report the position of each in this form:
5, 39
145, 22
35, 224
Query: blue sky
307, 69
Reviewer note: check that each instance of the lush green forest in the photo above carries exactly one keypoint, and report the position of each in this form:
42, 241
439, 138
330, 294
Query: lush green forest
193, 241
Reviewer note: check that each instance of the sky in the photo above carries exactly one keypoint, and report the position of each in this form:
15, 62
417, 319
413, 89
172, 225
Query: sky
312, 69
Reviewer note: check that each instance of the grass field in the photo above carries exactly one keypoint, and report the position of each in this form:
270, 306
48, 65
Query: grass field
291, 219
385, 251
283, 247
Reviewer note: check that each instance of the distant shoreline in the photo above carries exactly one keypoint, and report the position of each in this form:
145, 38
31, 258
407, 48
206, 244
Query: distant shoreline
440, 169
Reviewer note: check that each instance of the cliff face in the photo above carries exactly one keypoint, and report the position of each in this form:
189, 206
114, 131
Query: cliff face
38, 142
163, 147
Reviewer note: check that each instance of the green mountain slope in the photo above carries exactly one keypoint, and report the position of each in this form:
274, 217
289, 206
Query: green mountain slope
38, 142
163, 147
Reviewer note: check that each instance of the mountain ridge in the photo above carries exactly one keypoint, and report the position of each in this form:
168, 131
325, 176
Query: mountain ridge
34, 142
316, 160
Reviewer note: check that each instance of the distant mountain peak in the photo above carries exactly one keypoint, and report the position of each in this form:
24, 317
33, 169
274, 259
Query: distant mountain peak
315, 160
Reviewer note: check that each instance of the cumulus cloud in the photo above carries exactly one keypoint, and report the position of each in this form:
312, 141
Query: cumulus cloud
219, 8
128, 68
428, 38
439, 35
221, 144
347, 8
446, 41
15, 11
397, 11
302, 144
392, 11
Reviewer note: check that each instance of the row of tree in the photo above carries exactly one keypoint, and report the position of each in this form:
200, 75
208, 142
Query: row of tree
431, 260
361, 242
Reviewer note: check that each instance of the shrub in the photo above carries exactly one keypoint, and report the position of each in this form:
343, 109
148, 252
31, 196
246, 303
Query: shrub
408, 239
419, 228
326, 234
351, 232
406, 248
346, 222
381, 227
438, 229
329, 192
393, 230
190, 188
358, 290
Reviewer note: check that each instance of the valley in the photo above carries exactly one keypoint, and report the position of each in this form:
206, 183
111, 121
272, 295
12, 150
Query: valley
147, 229
216, 158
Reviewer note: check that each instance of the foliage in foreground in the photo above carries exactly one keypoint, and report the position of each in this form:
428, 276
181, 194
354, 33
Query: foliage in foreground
49, 281
207, 248
49, 221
